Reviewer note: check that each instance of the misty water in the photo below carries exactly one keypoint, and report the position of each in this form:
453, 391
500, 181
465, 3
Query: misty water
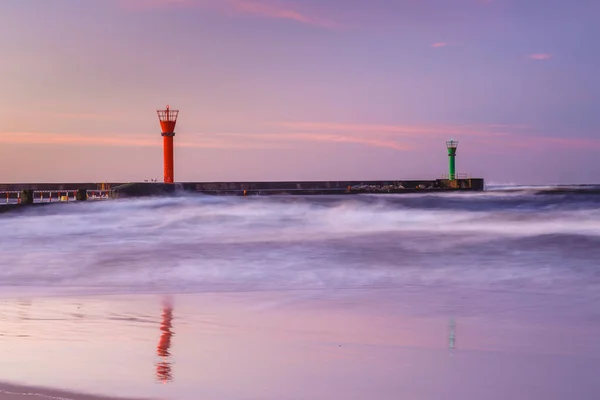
518, 240
515, 268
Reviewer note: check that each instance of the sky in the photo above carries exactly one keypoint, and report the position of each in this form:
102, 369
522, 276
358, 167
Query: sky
300, 90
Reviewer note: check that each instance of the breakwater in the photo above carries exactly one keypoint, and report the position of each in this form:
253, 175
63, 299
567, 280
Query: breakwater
337, 187
22, 194
354, 186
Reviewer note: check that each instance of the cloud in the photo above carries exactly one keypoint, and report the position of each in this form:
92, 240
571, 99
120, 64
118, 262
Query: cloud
389, 144
324, 137
81, 116
438, 45
410, 137
278, 10
200, 141
149, 4
207, 141
44, 138
540, 56
398, 138
402, 130
272, 9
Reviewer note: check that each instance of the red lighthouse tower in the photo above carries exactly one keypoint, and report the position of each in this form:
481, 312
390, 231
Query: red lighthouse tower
168, 119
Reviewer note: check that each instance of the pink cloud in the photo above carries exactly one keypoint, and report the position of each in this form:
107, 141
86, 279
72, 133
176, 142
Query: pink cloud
206, 141
540, 56
324, 137
277, 10
81, 116
401, 130
438, 45
379, 136
388, 136
146, 4
493, 135
272, 9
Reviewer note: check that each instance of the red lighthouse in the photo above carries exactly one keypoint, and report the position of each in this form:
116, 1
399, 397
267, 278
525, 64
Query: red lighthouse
168, 119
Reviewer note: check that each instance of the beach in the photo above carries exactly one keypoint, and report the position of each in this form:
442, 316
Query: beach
297, 345
16, 392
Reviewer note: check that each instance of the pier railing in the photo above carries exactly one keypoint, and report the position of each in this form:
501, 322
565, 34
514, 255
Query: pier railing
49, 196
457, 176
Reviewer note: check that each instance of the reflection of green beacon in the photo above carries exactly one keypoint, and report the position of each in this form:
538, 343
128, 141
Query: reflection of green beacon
451, 146
452, 338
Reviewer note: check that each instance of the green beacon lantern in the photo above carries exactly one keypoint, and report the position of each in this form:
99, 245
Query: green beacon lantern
451, 145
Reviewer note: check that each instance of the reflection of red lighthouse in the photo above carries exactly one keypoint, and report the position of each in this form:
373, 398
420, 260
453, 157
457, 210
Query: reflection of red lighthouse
163, 367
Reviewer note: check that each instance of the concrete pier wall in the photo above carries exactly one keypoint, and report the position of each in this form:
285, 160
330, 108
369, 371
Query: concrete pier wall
287, 186
464, 184
300, 187
137, 189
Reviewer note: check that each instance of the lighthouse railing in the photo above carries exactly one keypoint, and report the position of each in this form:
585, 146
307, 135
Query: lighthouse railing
457, 176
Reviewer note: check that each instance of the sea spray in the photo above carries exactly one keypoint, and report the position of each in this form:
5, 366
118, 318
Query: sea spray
502, 239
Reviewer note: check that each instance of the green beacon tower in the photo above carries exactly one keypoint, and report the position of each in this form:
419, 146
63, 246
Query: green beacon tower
451, 145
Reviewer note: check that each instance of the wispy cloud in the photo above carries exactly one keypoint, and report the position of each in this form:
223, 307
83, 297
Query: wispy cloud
149, 4
399, 138
323, 137
278, 10
396, 137
407, 137
272, 9
206, 142
401, 130
540, 56
438, 45
82, 116
67, 139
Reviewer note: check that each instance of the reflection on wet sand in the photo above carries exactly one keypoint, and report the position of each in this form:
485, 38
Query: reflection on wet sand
452, 336
345, 345
163, 367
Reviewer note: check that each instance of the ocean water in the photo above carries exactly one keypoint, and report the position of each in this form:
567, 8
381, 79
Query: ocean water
510, 238
489, 295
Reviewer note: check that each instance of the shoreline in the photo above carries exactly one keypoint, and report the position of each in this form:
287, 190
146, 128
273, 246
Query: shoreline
14, 391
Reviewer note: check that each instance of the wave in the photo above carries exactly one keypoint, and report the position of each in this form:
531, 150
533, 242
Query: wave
583, 189
201, 243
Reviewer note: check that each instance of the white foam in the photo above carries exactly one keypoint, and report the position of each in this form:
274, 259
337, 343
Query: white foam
203, 242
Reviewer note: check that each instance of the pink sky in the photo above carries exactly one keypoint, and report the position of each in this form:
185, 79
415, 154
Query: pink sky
284, 90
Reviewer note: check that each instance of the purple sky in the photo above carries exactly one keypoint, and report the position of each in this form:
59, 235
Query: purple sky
290, 90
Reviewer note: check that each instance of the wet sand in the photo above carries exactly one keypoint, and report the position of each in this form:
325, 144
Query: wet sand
15, 392
354, 344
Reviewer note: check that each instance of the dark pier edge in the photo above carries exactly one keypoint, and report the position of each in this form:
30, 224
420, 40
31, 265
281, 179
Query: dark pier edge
142, 189
301, 187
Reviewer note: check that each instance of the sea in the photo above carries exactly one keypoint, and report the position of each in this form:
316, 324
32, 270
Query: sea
492, 294
507, 238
